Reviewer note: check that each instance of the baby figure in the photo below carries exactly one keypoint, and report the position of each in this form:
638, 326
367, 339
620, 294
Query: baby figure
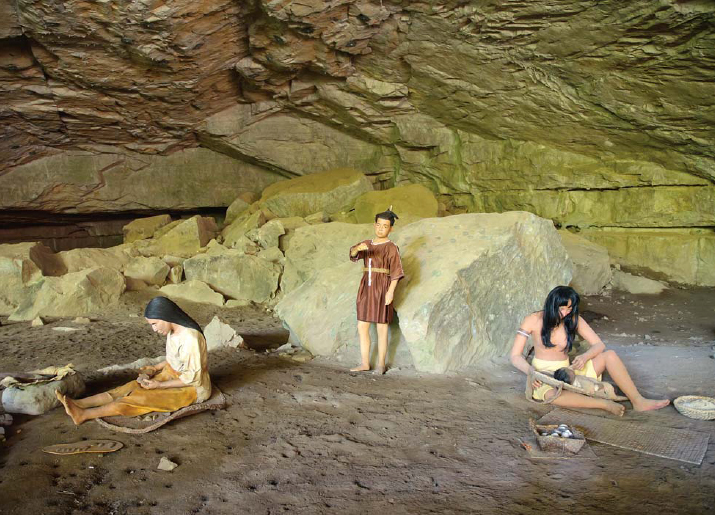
590, 386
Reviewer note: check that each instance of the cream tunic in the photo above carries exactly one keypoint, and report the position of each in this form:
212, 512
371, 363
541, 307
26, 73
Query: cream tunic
186, 353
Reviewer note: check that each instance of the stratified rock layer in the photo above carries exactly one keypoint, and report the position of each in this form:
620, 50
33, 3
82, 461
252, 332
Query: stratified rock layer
595, 115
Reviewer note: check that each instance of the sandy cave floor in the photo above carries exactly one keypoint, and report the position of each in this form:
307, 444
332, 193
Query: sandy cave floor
314, 438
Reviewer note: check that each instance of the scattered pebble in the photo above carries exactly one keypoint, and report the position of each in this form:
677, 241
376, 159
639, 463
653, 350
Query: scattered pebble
286, 347
81, 320
37, 322
65, 329
166, 464
301, 356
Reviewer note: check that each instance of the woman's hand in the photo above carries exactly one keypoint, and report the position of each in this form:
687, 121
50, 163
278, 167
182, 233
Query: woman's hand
150, 384
579, 362
388, 297
535, 383
148, 370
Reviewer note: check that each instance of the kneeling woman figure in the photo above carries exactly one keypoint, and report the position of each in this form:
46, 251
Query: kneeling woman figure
553, 330
181, 380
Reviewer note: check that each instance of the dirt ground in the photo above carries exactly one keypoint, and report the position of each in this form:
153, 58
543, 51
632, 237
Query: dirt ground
314, 438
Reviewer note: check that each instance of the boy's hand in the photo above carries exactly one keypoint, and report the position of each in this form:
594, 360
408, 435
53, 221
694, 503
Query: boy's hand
388, 298
362, 246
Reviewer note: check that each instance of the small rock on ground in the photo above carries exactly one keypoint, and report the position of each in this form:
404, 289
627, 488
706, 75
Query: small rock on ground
167, 464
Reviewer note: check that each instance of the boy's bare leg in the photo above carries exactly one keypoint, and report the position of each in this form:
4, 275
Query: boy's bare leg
576, 400
364, 333
94, 400
381, 348
610, 362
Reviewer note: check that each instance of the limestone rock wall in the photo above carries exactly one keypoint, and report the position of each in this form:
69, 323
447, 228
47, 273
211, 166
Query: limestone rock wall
597, 115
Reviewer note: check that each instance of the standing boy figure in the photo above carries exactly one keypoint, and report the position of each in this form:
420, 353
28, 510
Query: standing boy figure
382, 268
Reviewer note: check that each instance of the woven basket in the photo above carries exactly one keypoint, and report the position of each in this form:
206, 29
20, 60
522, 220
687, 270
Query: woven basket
556, 443
696, 406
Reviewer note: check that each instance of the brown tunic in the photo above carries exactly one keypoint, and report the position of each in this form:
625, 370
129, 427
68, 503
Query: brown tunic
373, 286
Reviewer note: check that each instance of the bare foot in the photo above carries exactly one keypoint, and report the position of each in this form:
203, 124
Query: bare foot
649, 404
70, 408
617, 409
60, 397
361, 368
380, 371
614, 408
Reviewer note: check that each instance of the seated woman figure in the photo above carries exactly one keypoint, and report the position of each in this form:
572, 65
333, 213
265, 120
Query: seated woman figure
553, 330
181, 380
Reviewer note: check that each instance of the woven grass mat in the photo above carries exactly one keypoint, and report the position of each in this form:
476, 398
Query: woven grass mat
152, 421
531, 446
664, 442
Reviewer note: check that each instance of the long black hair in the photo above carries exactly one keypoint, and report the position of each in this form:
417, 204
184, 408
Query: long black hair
161, 308
560, 296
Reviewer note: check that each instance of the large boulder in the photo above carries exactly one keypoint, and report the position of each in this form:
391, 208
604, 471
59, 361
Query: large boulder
234, 235
74, 294
268, 235
115, 258
315, 248
151, 270
410, 203
272, 254
161, 231
236, 208
22, 267
186, 238
591, 264
234, 274
289, 226
193, 291
327, 191
470, 279
143, 228
624, 281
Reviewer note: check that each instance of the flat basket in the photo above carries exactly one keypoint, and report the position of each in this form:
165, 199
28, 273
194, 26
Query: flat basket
556, 443
696, 406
